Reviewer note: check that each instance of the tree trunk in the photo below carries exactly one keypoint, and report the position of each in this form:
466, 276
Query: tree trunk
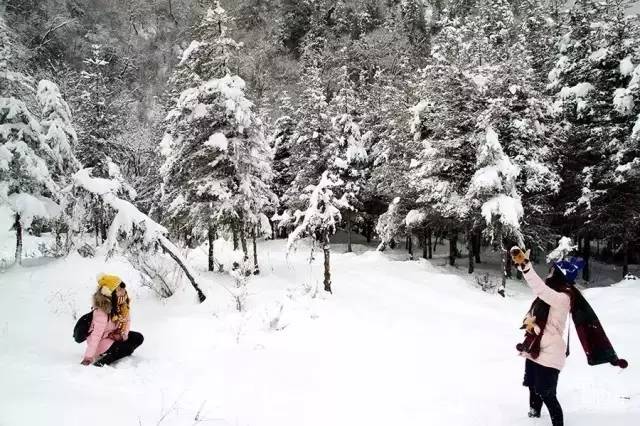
425, 244
243, 242
470, 247
503, 256
211, 240
410, 246
18, 226
477, 240
625, 254
429, 244
234, 229
169, 248
349, 249
580, 246
256, 268
453, 239
326, 249
435, 243
586, 249
103, 225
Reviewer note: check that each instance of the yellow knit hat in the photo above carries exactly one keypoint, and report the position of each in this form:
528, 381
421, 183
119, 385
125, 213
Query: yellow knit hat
108, 283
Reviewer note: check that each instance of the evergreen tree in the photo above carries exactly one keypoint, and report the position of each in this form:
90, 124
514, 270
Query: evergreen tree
26, 185
350, 155
493, 195
318, 221
593, 82
312, 149
218, 163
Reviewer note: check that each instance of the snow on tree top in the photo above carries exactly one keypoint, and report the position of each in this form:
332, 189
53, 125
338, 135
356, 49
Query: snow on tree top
218, 140
565, 246
95, 185
508, 209
626, 66
415, 218
580, 90
599, 55
232, 88
29, 206
623, 101
193, 47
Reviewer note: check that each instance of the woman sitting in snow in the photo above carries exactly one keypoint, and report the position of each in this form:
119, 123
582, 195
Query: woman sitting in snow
109, 337
544, 346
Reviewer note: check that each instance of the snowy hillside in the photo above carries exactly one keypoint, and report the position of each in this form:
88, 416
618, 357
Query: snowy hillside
398, 343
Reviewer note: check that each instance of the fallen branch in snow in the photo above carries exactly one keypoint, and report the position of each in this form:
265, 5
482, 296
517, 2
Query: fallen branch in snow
171, 250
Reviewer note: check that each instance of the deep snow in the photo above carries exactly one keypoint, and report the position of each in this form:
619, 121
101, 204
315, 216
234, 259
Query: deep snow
398, 343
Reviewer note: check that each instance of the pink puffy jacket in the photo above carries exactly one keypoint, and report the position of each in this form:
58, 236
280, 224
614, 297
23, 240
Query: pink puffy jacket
552, 346
101, 335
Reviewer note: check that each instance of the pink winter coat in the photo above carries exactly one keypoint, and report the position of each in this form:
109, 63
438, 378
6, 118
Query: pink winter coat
552, 346
101, 334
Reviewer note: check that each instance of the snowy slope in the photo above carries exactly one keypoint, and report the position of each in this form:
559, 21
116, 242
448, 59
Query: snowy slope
398, 343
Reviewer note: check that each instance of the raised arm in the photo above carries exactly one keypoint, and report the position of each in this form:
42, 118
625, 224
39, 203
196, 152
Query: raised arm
543, 291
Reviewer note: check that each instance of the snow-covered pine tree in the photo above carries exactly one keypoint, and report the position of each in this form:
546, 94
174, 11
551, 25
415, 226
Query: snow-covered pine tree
60, 135
592, 81
350, 157
311, 152
283, 138
493, 196
209, 55
58, 130
444, 124
26, 186
390, 224
253, 196
97, 105
218, 163
318, 221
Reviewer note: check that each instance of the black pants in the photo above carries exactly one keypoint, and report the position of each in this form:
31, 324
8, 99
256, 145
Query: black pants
542, 383
120, 350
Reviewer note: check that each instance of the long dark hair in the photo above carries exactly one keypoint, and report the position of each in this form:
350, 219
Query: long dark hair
556, 281
114, 300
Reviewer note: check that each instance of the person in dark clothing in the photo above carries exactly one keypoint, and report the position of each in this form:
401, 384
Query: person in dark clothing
542, 383
120, 349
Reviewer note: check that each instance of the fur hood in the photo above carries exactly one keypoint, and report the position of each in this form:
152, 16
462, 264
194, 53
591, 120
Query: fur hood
102, 302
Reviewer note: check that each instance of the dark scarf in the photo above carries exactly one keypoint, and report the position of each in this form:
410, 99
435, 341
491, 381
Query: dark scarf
591, 334
537, 315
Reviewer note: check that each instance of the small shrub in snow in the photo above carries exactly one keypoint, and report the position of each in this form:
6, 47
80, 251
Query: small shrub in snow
157, 272
487, 284
86, 250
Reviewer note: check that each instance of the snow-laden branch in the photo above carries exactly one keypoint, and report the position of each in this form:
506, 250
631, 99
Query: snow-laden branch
128, 218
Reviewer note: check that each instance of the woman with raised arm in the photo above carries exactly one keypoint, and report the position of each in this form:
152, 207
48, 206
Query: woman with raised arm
544, 347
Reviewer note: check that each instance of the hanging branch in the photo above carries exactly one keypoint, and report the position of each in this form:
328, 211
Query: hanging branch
45, 38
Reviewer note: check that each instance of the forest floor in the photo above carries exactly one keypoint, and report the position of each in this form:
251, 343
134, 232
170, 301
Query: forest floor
397, 343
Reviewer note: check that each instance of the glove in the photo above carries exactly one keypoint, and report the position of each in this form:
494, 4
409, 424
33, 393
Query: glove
520, 258
86, 361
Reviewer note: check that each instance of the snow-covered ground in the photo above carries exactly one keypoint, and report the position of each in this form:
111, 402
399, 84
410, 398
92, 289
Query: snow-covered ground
398, 343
